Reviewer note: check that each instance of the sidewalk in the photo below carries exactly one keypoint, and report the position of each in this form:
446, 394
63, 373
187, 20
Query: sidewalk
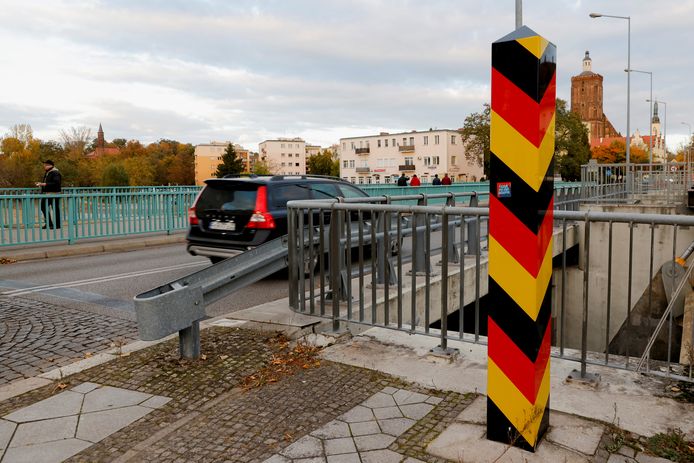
88, 246
377, 397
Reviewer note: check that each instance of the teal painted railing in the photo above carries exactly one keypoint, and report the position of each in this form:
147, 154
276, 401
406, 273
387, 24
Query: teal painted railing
115, 211
92, 215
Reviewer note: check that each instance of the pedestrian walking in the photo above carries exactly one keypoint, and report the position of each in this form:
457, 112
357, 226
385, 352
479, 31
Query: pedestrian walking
415, 181
446, 180
402, 180
51, 185
436, 181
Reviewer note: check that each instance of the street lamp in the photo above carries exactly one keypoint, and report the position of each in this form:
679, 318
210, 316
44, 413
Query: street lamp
664, 123
628, 18
650, 122
519, 14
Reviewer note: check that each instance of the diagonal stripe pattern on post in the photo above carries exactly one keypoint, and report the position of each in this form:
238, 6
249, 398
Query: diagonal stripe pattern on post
520, 241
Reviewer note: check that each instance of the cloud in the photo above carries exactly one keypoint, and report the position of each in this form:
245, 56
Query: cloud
249, 70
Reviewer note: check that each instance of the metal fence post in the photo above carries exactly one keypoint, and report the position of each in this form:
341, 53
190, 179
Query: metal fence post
473, 238
71, 218
335, 258
452, 251
169, 213
420, 265
385, 272
189, 341
292, 264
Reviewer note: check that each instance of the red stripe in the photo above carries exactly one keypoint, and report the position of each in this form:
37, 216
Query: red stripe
525, 246
525, 374
523, 113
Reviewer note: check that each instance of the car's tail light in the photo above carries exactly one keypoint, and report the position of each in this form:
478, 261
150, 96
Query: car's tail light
261, 217
192, 216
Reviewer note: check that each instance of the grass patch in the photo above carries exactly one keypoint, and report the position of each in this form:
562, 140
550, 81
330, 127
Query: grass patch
671, 445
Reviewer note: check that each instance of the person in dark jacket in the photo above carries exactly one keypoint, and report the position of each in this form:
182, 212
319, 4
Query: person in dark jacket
51, 184
436, 181
402, 180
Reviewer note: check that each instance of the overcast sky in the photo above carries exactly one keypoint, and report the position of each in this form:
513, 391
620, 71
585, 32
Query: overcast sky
242, 70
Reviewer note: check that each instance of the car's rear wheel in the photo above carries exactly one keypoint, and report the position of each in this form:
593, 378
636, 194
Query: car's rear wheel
216, 259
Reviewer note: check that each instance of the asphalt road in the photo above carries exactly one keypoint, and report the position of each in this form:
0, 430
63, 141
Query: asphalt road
107, 283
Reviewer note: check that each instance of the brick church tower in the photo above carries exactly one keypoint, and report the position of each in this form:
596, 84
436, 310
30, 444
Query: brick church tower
586, 101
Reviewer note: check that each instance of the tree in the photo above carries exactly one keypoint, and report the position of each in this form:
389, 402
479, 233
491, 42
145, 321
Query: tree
115, 175
323, 164
22, 132
262, 168
76, 139
475, 135
571, 146
615, 153
231, 164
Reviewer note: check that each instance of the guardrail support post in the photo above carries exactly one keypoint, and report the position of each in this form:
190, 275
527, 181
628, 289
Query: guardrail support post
71, 221
520, 238
383, 255
189, 341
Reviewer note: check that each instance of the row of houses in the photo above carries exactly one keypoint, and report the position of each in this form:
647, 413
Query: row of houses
370, 159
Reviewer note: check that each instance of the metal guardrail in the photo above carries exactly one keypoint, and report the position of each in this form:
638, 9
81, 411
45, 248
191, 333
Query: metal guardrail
598, 316
108, 189
75, 216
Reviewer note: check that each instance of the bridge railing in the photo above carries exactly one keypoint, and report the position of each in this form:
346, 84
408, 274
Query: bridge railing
39, 218
412, 267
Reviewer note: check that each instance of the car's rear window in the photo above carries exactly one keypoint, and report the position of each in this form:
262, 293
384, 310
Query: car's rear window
281, 194
232, 198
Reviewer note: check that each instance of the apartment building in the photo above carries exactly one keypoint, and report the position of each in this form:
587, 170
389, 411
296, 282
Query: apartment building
209, 155
284, 156
382, 158
312, 150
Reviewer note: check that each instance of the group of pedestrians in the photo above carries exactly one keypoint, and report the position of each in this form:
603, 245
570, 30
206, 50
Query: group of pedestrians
414, 181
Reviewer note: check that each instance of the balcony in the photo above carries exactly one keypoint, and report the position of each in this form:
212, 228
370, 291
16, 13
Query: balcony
406, 167
363, 170
366, 150
405, 148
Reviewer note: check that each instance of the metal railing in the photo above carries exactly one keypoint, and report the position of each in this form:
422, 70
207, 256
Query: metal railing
73, 216
108, 189
376, 265
662, 183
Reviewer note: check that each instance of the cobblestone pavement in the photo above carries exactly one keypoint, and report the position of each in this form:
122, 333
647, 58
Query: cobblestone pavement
211, 417
36, 337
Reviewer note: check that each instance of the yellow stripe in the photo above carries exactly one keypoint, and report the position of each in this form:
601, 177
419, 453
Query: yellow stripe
535, 45
525, 416
526, 290
520, 155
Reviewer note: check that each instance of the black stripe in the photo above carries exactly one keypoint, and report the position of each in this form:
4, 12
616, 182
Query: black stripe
500, 429
521, 67
525, 332
524, 202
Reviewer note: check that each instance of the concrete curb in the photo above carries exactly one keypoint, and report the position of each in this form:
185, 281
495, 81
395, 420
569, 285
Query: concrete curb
80, 249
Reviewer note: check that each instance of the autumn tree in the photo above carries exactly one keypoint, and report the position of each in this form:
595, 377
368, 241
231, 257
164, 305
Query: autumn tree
231, 164
475, 135
323, 164
571, 146
262, 168
76, 139
115, 175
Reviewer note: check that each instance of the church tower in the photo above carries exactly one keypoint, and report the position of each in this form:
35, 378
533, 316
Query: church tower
100, 142
655, 122
586, 101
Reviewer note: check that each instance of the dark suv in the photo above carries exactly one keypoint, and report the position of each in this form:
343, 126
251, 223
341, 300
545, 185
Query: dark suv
235, 214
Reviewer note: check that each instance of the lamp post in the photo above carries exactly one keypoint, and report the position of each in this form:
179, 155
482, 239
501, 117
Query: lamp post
519, 14
689, 152
650, 115
628, 138
664, 123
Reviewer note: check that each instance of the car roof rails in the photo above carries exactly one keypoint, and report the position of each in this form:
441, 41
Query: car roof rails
306, 176
240, 175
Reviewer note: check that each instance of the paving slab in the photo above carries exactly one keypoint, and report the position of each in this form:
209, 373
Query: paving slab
345, 458
107, 397
49, 452
476, 412
339, 445
335, 429
395, 426
574, 433
38, 432
97, 425
306, 447
6, 430
64, 404
364, 428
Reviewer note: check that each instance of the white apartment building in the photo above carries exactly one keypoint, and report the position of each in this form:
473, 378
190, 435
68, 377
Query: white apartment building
382, 158
284, 156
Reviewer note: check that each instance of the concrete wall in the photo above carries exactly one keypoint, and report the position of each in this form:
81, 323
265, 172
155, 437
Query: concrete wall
598, 274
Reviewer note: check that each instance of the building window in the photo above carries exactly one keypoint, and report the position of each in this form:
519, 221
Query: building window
452, 160
297, 164
344, 164
353, 180
387, 179
352, 146
346, 179
386, 143
378, 143
411, 141
427, 161
351, 163
368, 180
394, 144
283, 164
367, 143
426, 139
344, 145
289, 154
283, 154
436, 139
435, 160
282, 145
404, 141
452, 139
409, 160
361, 180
